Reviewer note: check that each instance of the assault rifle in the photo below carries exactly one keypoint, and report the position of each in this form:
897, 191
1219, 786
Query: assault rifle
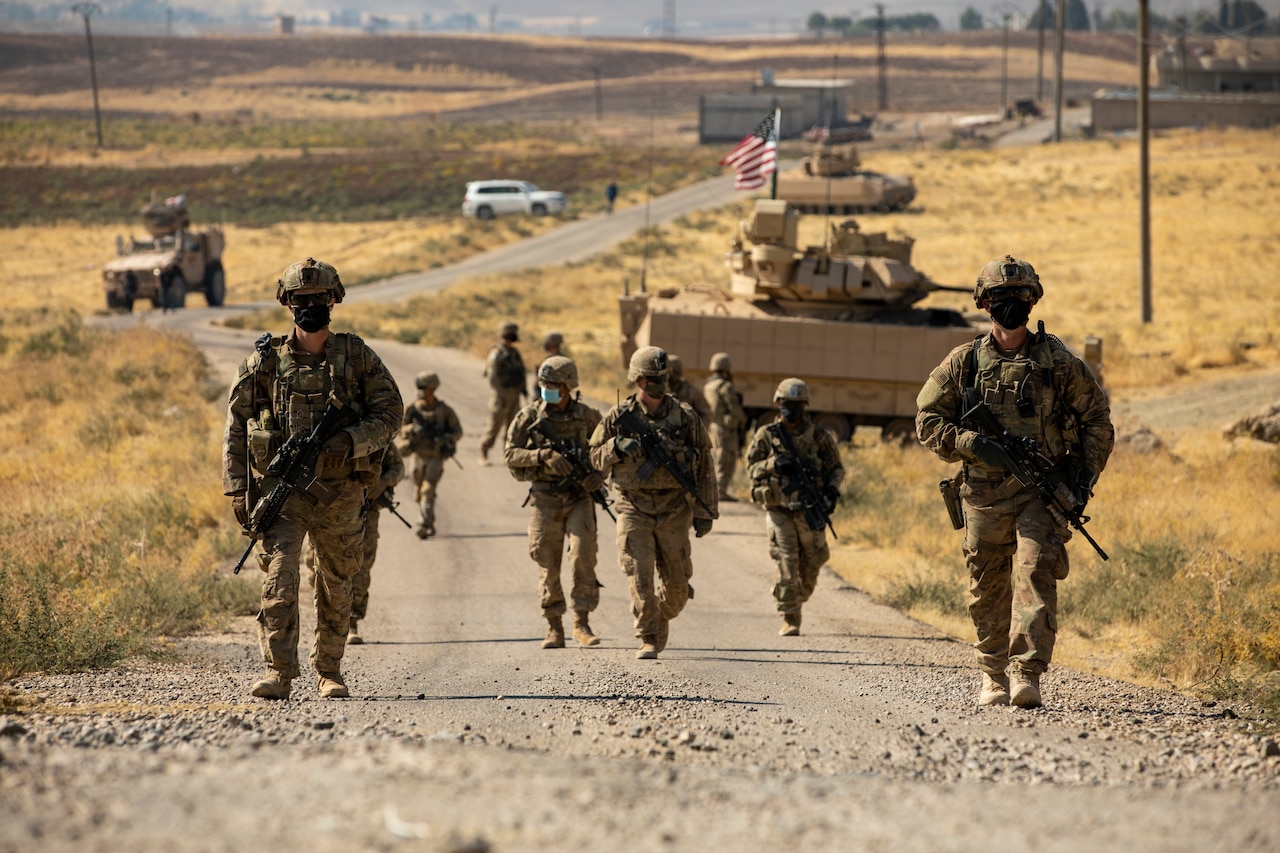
437, 433
385, 501
295, 466
1032, 467
805, 482
582, 467
656, 455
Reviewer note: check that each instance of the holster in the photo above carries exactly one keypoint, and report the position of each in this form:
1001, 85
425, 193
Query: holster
950, 489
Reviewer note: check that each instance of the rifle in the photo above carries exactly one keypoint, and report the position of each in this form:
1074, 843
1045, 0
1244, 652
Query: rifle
294, 464
805, 482
1032, 467
656, 455
582, 467
385, 501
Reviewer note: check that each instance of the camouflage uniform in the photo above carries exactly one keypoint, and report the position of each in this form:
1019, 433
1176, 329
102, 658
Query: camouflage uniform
1014, 548
725, 420
799, 551
505, 370
559, 509
654, 516
421, 419
687, 392
279, 394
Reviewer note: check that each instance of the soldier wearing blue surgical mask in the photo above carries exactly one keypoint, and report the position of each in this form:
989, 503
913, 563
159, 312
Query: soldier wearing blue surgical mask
560, 503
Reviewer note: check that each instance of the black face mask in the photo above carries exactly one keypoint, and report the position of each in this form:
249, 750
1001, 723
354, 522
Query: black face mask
1011, 314
655, 388
792, 412
311, 318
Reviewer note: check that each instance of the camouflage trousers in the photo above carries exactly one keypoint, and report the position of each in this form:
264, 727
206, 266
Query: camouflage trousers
337, 532
503, 405
724, 454
800, 553
654, 554
555, 519
361, 580
426, 477
1016, 554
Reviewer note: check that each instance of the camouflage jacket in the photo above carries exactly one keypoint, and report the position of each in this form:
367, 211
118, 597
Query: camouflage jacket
683, 435
392, 474
505, 369
1062, 406
722, 400
430, 429
280, 392
686, 392
817, 450
526, 449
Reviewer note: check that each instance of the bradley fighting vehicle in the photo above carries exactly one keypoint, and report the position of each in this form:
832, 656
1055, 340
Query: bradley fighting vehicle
831, 180
172, 263
843, 317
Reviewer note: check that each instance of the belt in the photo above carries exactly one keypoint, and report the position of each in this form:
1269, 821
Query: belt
557, 487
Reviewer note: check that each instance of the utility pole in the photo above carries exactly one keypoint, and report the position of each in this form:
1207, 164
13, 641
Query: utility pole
1004, 70
882, 64
1044, 12
85, 10
669, 19
1059, 48
1144, 162
599, 96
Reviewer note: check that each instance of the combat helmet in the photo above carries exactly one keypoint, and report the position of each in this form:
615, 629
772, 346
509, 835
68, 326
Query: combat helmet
427, 379
677, 366
509, 332
792, 390
1009, 272
720, 361
650, 362
558, 370
553, 339
309, 275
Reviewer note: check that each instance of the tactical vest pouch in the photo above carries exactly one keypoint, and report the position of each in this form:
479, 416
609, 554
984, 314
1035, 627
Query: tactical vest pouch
263, 441
950, 489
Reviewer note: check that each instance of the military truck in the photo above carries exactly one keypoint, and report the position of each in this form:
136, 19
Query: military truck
165, 267
842, 316
832, 180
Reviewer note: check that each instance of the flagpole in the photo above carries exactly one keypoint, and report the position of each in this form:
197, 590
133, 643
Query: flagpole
777, 135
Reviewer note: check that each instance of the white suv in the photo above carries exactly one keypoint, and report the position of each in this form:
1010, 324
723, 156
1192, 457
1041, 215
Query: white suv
487, 199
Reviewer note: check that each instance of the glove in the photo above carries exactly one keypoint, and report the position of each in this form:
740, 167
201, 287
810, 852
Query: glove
1085, 480
241, 508
557, 464
991, 453
701, 527
625, 445
593, 482
786, 466
338, 447
830, 497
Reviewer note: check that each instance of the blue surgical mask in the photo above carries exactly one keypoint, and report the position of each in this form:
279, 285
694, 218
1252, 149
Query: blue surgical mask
551, 395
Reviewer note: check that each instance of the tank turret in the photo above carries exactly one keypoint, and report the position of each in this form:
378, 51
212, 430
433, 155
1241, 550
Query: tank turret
832, 180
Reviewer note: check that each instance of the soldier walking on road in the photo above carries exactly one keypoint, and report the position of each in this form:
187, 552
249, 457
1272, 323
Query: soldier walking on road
654, 510
562, 507
1015, 545
280, 393
776, 476
685, 391
727, 419
430, 431
505, 370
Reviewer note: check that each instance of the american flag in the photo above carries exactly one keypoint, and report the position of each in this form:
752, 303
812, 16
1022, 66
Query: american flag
756, 156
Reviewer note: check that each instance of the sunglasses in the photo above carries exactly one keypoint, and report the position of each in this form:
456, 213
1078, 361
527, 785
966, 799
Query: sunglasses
308, 300
995, 294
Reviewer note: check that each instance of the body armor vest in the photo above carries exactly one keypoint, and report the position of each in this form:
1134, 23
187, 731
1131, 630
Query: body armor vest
673, 429
1020, 391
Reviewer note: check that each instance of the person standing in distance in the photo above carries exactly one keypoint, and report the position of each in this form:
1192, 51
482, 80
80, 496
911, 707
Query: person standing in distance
1014, 546
280, 392
798, 549
561, 507
685, 391
727, 418
430, 431
610, 196
553, 344
508, 383
655, 513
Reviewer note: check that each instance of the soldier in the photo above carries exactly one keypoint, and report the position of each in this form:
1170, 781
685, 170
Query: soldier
655, 511
505, 370
280, 392
1015, 546
727, 419
799, 550
430, 431
553, 344
685, 391
562, 504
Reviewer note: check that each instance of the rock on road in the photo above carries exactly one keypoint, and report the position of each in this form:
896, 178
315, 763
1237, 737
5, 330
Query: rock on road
463, 734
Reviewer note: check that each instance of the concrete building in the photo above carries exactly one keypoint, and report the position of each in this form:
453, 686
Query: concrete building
804, 103
1225, 65
1117, 110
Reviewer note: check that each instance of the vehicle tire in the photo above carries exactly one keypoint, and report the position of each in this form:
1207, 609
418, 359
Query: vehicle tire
215, 285
114, 301
899, 431
484, 211
539, 210
837, 424
175, 292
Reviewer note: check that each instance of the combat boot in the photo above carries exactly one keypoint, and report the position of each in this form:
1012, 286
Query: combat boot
555, 633
1024, 689
271, 686
790, 625
582, 630
664, 630
995, 689
332, 686
423, 532
649, 647
353, 634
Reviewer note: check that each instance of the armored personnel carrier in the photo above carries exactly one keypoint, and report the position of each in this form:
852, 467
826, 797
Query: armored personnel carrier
169, 264
844, 317
832, 180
